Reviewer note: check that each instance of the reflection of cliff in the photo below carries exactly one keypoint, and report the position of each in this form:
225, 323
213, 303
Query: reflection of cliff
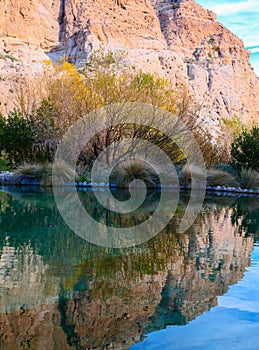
183, 284
38, 328
218, 256
82, 297
23, 280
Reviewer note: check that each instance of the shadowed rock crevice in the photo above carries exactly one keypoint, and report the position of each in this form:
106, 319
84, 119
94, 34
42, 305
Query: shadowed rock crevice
68, 329
61, 18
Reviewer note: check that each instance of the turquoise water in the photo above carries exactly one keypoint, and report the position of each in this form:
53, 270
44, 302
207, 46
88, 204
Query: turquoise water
192, 290
233, 324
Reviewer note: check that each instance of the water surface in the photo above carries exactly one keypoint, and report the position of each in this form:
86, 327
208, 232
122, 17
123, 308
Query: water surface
194, 290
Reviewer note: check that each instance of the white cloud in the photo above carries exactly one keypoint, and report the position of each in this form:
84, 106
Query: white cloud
235, 8
242, 18
254, 49
255, 63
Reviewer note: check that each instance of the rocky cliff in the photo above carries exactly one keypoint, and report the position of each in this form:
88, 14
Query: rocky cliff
177, 39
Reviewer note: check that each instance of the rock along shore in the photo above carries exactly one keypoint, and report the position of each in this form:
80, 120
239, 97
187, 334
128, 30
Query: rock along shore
6, 179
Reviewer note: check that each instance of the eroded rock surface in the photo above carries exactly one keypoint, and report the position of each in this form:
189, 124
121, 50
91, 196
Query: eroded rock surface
178, 40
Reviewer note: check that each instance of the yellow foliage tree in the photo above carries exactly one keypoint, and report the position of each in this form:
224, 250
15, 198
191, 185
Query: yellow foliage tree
68, 93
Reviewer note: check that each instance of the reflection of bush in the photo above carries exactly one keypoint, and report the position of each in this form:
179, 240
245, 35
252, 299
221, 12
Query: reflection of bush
246, 216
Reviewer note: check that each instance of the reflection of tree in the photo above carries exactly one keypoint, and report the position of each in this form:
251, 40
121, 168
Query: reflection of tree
105, 297
246, 215
112, 218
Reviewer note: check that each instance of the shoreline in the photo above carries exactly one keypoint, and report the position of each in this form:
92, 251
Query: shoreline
32, 182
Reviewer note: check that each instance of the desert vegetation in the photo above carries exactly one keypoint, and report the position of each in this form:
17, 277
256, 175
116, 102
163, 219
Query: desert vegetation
46, 109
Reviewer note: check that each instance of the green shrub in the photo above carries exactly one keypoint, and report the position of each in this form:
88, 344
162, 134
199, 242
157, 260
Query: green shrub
43, 173
192, 176
64, 173
221, 178
245, 149
12, 58
45, 131
30, 172
213, 153
85, 178
226, 168
129, 170
4, 164
16, 137
211, 40
249, 178
234, 126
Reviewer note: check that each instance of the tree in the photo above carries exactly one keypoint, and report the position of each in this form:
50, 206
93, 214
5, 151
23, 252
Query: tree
70, 94
46, 131
245, 149
2, 126
67, 93
16, 137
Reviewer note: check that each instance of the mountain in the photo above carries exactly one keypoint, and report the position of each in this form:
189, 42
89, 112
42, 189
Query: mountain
176, 39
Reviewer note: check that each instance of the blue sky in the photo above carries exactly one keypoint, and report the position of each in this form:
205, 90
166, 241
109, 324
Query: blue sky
242, 18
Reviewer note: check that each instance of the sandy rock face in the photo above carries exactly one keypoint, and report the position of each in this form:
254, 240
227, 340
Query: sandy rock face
217, 64
178, 40
132, 26
28, 26
28, 29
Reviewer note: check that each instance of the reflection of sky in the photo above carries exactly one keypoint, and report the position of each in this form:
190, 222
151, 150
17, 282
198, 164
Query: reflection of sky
242, 18
245, 294
232, 325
